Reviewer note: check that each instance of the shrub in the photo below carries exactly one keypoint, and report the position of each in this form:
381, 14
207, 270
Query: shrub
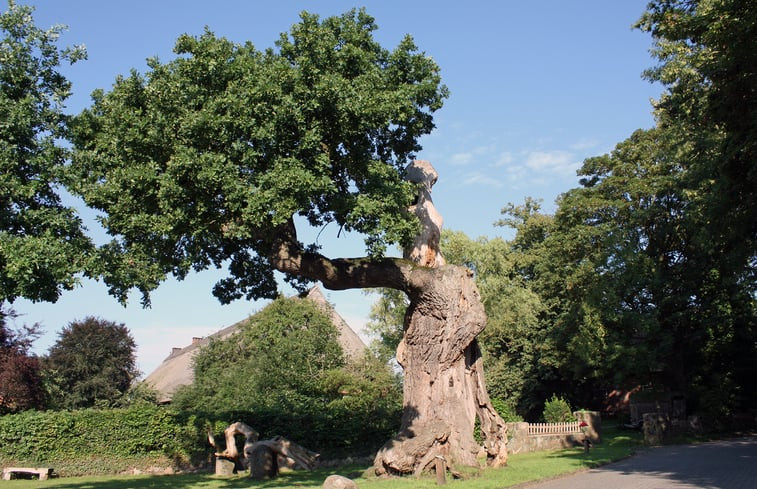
557, 410
506, 410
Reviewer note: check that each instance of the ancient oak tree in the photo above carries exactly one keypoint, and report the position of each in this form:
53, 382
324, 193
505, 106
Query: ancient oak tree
216, 158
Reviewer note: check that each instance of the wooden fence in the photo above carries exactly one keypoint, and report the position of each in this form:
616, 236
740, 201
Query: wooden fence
554, 428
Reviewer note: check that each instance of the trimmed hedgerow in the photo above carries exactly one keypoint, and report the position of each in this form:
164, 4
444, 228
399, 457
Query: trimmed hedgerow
148, 438
85, 437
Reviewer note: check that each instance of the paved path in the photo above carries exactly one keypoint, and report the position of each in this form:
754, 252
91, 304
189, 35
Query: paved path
728, 464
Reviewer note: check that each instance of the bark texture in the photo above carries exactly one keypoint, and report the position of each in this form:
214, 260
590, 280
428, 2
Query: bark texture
231, 452
444, 387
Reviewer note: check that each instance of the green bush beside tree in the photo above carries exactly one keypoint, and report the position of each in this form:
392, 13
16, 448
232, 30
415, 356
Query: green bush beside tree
285, 374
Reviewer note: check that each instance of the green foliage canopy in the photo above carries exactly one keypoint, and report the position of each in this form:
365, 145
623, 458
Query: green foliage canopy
277, 359
285, 374
664, 305
93, 363
43, 247
205, 160
708, 63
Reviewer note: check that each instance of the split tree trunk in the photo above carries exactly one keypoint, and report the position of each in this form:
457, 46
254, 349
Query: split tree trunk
444, 387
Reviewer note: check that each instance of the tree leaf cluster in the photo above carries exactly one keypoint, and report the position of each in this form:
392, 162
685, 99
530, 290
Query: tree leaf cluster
203, 160
20, 371
43, 245
277, 359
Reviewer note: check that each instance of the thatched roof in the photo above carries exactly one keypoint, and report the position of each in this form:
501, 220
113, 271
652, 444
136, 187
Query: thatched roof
176, 370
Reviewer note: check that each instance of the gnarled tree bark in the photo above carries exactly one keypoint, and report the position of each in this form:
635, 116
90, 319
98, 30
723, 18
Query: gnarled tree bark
263, 457
231, 451
444, 387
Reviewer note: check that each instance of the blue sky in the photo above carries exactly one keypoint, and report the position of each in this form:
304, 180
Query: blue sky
536, 87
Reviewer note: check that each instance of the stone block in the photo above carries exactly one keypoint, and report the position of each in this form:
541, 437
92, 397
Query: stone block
338, 482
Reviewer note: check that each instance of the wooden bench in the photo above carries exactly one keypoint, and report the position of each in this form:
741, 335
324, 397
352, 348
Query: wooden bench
43, 472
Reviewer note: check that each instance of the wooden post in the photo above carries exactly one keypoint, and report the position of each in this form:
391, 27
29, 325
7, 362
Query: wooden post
441, 470
225, 466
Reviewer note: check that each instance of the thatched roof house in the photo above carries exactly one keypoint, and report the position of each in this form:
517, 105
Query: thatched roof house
176, 370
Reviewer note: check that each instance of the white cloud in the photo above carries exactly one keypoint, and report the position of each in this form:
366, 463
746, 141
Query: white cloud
504, 159
480, 154
478, 178
461, 158
515, 172
583, 144
557, 161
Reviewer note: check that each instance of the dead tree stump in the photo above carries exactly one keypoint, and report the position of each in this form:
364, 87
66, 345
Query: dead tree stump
263, 462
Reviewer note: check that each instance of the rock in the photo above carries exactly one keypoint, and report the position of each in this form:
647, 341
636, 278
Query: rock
338, 482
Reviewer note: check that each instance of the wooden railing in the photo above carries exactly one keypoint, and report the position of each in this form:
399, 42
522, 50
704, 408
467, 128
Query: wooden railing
554, 428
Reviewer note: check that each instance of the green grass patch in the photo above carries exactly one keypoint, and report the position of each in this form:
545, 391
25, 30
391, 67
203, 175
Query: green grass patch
522, 468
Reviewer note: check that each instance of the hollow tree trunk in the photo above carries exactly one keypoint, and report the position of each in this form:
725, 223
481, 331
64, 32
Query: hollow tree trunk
444, 387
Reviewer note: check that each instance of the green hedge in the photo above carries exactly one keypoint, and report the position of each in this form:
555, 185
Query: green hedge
334, 431
108, 441
95, 440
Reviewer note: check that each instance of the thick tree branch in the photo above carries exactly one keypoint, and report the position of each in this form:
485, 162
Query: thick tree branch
288, 256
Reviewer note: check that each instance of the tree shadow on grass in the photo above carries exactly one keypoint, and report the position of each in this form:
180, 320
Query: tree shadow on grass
299, 478
611, 449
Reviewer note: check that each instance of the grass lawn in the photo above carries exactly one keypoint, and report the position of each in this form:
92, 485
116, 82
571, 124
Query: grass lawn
521, 468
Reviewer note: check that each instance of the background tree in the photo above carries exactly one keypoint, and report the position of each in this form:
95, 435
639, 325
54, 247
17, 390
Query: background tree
42, 243
663, 306
218, 156
386, 322
277, 361
93, 363
511, 340
708, 64
646, 273
20, 379
285, 373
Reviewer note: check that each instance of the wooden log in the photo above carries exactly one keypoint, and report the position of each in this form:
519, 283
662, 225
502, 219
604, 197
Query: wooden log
294, 456
231, 452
